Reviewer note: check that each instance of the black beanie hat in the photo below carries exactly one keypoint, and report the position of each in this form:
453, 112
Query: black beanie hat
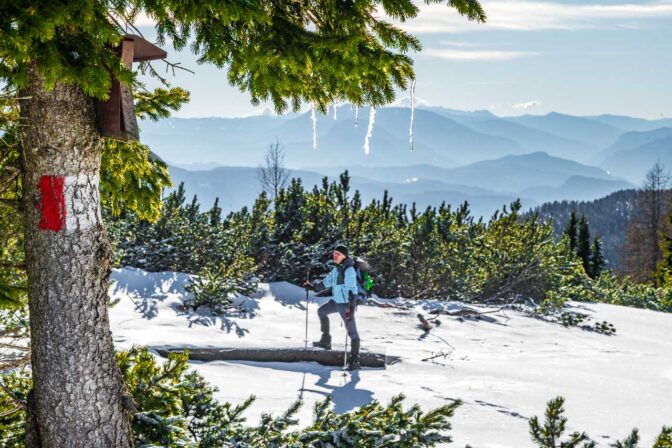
342, 248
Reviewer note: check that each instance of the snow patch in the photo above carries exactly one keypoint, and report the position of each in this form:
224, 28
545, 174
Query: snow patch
505, 368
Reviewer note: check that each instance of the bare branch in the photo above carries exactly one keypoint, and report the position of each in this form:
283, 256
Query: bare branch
273, 175
443, 355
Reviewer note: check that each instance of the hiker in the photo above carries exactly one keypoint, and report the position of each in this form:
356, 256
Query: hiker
343, 283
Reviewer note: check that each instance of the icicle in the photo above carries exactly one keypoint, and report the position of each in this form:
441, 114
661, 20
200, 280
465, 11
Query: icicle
410, 129
369, 131
335, 111
314, 118
356, 116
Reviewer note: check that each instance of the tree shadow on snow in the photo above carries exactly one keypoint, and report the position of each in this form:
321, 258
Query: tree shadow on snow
146, 289
228, 325
205, 317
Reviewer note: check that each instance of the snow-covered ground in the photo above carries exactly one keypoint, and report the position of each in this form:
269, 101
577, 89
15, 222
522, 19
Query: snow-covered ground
505, 368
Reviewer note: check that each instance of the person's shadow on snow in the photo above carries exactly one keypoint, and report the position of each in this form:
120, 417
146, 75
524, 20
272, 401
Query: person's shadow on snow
345, 397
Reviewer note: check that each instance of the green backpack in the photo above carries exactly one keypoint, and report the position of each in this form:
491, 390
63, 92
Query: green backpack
364, 277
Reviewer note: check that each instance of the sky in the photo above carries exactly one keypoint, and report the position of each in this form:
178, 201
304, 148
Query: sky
530, 57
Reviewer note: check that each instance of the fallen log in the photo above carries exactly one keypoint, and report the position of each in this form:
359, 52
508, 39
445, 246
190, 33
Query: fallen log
324, 357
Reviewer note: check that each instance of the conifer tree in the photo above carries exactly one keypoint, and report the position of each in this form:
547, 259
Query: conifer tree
632, 441
549, 434
597, 262
215, 213
571, 231
664, 269
583, 244
664, 439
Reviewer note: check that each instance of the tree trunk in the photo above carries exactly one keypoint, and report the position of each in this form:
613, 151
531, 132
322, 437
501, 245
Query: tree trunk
78, 390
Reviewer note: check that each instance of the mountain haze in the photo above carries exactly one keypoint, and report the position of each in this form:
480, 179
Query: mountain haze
587, 130
633, 164
486, 185
244, 141
444, 138
632, 140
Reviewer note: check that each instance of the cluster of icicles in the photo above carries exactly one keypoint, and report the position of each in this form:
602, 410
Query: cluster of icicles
372, 120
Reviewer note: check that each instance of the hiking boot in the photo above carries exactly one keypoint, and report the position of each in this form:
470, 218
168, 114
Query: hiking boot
324, 342
353, 364
353, 360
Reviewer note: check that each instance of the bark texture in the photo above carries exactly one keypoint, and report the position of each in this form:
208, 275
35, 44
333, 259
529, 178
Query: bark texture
78, 390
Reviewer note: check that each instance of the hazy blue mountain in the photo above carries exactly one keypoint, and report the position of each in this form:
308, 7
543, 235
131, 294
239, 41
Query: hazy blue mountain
339, 141
395, 174
632, 140
460, 115
632, 123
578, 188
509, 174
417, 186
225, 141
587, 130
237, 187
442, 137
633, 164
532, 139
516, 173
244, 141
487, 185
198, 166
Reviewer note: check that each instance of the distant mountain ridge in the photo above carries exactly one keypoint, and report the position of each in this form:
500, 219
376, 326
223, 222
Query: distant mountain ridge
442, 137
578, 188
633, 139
586, 130
635, 163
486, 185
631, 123
243, 141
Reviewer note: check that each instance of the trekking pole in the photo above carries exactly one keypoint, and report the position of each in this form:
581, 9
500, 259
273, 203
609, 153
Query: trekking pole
307, 301
345, 347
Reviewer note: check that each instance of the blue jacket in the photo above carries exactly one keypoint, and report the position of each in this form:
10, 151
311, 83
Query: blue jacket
341, 292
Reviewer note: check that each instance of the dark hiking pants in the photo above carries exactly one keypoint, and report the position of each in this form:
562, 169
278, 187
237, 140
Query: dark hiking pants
332, 307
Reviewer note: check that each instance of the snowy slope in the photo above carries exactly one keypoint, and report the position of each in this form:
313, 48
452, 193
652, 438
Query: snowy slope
504, 368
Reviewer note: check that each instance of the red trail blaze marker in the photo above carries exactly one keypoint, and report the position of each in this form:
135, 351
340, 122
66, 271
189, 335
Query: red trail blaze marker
52, 208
